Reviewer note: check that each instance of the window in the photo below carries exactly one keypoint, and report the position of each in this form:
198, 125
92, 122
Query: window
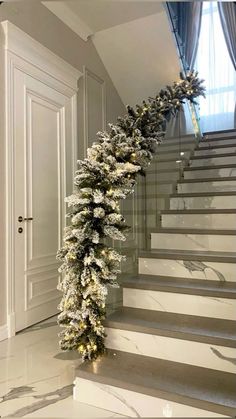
215, 67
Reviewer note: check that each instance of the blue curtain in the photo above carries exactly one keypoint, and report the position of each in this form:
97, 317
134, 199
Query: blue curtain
188, 24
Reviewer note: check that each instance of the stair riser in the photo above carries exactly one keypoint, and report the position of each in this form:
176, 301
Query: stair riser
212, 271
203, 202
220, 186
213, 143
131, 403
225, 135
179, 241
183, 140
214, 151
195, 305
173, 155
171, 349
163, 176
165, 188
210, 173
166, 147
201, 221
154, 204
213, 161
161, 165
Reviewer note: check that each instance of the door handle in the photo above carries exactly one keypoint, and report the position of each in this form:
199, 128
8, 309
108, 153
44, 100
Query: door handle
20, 219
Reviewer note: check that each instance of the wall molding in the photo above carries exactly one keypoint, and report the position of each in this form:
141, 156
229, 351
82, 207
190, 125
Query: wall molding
88, 73
27, 48
3, 332
66, 15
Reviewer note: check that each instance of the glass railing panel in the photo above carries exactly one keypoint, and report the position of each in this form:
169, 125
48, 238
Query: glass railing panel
166, 169
193, 109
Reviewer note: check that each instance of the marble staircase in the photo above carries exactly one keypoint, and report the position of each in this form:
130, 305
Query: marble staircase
172, 345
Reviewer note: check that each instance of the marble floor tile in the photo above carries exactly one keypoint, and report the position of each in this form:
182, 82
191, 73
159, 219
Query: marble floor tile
36, 377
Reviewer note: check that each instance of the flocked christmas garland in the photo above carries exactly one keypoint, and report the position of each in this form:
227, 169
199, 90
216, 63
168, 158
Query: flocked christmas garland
106, 176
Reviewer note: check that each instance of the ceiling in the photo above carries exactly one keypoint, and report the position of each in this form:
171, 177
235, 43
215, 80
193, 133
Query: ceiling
140, 56
104, 14
132, 37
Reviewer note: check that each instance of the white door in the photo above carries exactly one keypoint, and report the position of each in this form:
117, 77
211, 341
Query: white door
38, 197
42, 119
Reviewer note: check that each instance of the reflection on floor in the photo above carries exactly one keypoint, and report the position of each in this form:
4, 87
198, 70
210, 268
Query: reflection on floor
36, 377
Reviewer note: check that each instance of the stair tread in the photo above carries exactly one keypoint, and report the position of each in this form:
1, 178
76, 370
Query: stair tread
183, 149
222, 131
214, 179
214, 156
191, 286
198, 255
189, 194
167, 143
195, 386
208, 330
187, 230
209, 211
220, 166
216, 146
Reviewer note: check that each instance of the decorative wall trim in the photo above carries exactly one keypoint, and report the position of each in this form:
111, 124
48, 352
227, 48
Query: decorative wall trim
3, 332
26, 54
27, 48
66, 15
88, 73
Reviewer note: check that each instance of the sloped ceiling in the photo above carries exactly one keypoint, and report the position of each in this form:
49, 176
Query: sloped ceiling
103, 14
133, 39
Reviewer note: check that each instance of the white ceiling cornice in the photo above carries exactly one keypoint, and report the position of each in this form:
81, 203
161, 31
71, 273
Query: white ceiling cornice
17, 42
64, 13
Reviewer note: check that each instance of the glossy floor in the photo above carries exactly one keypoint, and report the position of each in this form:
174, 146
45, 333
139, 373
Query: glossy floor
36, 377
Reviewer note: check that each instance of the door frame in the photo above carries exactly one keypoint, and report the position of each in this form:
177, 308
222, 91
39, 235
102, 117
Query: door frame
25, 53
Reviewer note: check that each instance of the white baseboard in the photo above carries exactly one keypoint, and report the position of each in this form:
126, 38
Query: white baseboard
3, 332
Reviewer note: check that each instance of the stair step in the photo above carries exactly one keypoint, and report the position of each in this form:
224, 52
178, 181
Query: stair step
138, 375
217, 142
170, 164
220, 133
181, 285
201, 200
218, 149
224, 184
182, 326
198, 219
175, 337
208, 160
183, 139
177, 145
213, 266
193, 239
166, 176
144, 295
224, 170
158, 187
166, 155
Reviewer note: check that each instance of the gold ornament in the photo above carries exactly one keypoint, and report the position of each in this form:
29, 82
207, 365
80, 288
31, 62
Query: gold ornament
71, 257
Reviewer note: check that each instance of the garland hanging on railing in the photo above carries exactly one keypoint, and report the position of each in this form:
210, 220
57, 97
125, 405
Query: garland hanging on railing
106, 176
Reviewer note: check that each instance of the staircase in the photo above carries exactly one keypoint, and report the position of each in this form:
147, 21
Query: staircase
172, 346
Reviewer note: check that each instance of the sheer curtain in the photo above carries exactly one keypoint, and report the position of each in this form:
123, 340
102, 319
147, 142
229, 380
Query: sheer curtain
187, 22
215, 66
